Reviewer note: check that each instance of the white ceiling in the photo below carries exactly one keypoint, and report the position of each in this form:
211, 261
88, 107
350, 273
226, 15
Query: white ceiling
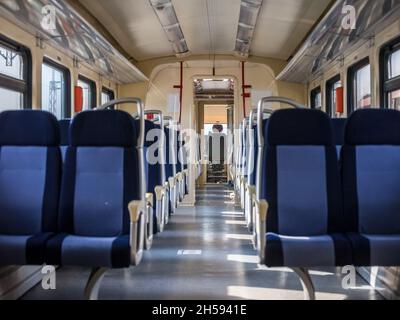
209, 26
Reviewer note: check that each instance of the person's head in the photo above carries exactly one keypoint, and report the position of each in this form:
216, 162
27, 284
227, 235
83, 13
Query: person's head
218, 128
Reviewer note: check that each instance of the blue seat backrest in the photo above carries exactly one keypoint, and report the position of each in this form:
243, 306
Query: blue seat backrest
254, 151
245, 152
153, 165
179, 167
338, 126
64, 135
185, 156
170, 168
301, 174
371, 172
101, 174
30, 169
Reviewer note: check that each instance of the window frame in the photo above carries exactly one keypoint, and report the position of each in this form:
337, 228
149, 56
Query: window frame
93, 88
22, 86
109, 92
387, 85
313, 93
351, 72
328, 96
66, 113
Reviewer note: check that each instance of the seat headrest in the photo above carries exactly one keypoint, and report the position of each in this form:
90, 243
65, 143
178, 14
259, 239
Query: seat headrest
299, 127
103, 128
373, 127
148, 126
338, 127
29, 128
64, 131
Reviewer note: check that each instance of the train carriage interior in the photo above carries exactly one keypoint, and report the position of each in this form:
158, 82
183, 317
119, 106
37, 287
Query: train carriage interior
173, 150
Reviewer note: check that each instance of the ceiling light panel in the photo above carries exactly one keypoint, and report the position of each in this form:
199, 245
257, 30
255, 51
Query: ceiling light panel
166, 14
249, 11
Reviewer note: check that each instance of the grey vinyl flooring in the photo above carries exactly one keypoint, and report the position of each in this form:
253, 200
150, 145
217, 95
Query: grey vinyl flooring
204, 253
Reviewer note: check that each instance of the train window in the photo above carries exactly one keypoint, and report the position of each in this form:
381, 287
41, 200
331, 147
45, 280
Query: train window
316, 98
15, 76
107, 95
390, 57
331, 86
89, 93
360, 85
55, 89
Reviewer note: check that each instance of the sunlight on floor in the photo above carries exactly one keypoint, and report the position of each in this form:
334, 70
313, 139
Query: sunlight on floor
243, 258
256, 293
236, 222
239, 237
234, 213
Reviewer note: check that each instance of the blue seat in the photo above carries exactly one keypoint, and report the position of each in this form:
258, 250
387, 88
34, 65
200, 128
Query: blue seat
338, 126
302, 188
153, 168
30, 169
101, 177
185, 161
251, 172
171, 165
371, 181
64, 136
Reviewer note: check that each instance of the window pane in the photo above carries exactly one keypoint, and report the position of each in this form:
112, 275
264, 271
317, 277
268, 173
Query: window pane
363, 88
10, 100
318, 101
87, 94
11, 63
53, 90
105, 97
336, 85
394, 65
394, 100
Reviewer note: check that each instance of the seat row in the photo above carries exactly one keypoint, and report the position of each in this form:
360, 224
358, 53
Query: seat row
316, 207
88, 203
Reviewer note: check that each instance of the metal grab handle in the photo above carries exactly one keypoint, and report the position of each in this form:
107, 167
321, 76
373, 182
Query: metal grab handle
261, 107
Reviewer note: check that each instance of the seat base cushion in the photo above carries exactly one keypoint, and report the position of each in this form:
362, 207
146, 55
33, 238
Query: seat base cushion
307, 252
376, 250
71, 250
23, 250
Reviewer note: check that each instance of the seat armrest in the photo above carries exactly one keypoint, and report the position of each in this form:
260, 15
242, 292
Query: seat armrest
137, 210
171, 182
150, 200
149, 221
160, 192
261, 212
179, 176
